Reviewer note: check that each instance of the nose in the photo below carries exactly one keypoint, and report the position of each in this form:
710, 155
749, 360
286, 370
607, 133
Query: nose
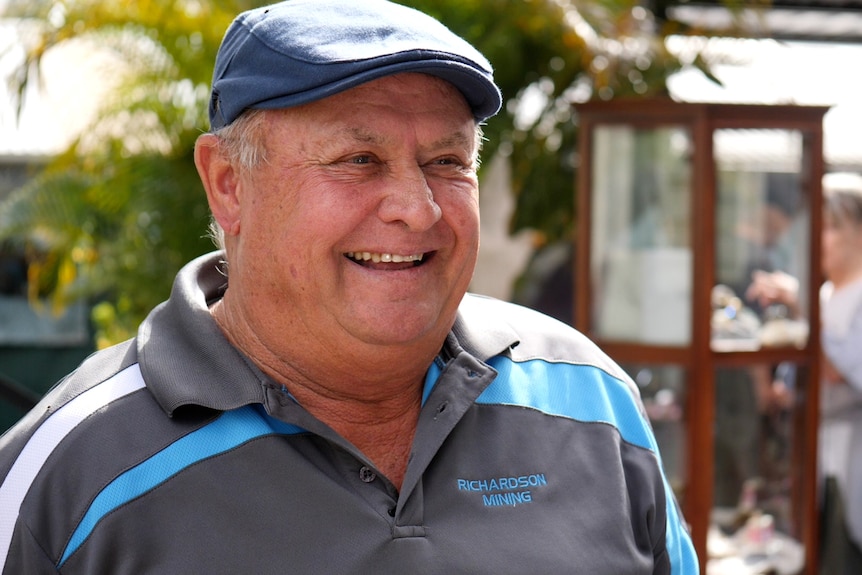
409, 199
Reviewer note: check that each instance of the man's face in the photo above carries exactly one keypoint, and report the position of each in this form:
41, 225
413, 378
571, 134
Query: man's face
364, 221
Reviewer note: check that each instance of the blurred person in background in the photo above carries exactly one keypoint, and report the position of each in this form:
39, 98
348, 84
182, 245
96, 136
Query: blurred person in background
841, 387
840, 441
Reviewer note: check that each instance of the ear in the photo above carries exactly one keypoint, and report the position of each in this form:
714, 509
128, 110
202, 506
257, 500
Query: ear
221, 182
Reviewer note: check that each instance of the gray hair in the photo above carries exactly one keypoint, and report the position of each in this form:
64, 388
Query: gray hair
242, 144
842, 198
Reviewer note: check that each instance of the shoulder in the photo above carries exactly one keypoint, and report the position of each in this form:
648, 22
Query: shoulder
72, 400
528, 334
94, 426
841, 311
551, 367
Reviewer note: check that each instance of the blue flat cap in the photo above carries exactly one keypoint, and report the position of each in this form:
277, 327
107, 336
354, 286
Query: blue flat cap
300, 51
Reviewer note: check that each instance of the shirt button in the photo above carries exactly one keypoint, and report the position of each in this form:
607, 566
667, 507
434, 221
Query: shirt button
366, 475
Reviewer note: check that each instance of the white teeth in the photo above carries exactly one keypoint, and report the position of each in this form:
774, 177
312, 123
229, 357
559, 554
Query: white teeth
386, 258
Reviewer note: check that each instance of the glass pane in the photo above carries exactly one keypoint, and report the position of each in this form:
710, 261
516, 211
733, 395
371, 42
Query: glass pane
641, 260
759, 443
762, 243
663, 389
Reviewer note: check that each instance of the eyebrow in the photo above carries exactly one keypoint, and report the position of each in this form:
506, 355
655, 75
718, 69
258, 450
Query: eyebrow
455, 139
361, 135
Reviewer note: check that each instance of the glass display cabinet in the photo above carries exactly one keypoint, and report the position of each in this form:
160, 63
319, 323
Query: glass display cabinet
686, 212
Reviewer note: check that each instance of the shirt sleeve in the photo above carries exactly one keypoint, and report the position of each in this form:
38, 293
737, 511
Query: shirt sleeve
679, 546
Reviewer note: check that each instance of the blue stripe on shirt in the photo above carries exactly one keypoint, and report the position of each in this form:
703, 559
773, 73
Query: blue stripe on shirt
230, 430
577, 391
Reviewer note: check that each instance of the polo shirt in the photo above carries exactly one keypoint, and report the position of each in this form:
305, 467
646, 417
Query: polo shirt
174, 453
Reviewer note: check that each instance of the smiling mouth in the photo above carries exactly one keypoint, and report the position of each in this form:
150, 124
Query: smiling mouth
391, 261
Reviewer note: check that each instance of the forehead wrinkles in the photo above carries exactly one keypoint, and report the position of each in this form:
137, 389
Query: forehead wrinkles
461, 139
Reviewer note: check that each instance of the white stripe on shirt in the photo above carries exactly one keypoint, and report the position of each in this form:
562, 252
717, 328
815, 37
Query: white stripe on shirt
47, 437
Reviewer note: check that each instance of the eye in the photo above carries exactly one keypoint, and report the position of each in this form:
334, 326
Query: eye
446, 161
444, 165
361, 159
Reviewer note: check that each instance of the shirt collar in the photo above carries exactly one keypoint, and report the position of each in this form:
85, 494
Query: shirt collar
184, 357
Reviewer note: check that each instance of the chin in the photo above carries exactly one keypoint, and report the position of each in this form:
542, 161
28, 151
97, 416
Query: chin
403, 329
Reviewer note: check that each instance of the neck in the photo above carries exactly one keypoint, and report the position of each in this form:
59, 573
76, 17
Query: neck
371, 396
382, 430
846, 277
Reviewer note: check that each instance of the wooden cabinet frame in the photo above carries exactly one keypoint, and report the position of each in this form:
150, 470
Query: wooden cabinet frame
697, 358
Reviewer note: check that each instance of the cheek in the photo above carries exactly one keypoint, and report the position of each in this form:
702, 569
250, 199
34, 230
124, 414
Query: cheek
836, 246
280, 212
827, 244
461, 210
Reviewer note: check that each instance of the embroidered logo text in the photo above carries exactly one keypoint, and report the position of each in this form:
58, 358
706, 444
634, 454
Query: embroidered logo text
505, 491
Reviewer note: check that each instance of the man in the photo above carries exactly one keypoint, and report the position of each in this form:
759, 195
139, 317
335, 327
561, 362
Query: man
321, 397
